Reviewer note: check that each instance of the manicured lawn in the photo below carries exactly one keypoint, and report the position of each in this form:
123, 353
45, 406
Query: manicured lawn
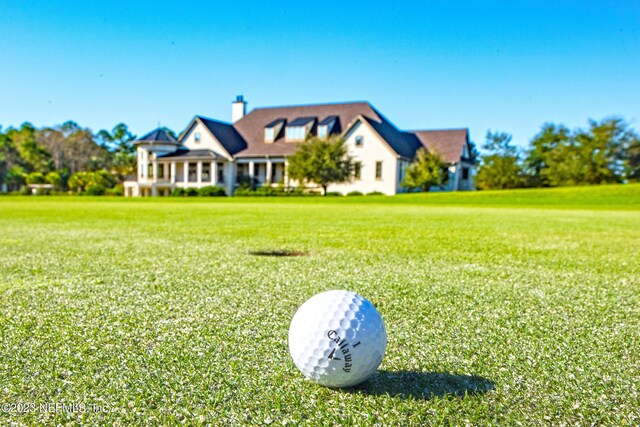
501, 308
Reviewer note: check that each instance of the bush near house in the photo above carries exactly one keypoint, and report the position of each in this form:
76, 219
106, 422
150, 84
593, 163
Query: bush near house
212, 191
354, 193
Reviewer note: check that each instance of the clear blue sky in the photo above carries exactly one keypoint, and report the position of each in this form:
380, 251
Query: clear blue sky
507, 65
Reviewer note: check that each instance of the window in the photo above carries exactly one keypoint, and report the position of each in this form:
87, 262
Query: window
359, 140
269, 135
323, 131
193, 172
378, 170
150, 170
160, 171
357, 170
295, 133
196, 137
272, 130
206, 171
221, 172
465, 173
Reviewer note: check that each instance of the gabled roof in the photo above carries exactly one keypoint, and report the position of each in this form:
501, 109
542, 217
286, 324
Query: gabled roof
225, 133
328, 120
157, 137
251, 127
448, 143
404, 144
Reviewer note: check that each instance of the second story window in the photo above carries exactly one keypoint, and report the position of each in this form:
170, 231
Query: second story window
327, 126
196, 137
272, 130
295, 133
298, 129
359, 140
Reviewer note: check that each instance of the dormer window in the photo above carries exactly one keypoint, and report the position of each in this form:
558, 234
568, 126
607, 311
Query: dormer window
359, 140
196, 137
326, 127
272, 130
298, 129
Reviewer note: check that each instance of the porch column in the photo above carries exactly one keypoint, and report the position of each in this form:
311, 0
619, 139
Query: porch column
285, 173
165, 171
186, 172
268, 177
251, 169
145, 165
155, 170
173, 172
213, 170
199, 172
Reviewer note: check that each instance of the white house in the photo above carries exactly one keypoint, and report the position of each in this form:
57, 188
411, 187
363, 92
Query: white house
257, 145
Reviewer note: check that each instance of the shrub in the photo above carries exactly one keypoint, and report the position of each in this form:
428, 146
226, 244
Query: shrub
242, 192
43, 191
212, 191
333, 193
95, 190
25, 191
354, 193
35, 178
54, 178
118, 190
375, 193
177, 192
190, 192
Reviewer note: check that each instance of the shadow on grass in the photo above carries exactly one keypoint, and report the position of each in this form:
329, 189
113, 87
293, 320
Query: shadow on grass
423, 385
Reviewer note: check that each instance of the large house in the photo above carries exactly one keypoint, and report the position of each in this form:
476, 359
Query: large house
257, 145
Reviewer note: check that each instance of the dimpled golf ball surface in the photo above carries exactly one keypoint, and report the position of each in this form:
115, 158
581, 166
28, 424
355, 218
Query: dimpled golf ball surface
337, 339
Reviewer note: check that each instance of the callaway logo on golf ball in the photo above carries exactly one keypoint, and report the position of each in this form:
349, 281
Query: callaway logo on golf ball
337, 339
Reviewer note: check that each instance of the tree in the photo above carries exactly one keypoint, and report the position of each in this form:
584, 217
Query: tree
542, 158
427, 170
602, 149
633, 160
35, 157
9, 158
321, 161
501, 168
119, 143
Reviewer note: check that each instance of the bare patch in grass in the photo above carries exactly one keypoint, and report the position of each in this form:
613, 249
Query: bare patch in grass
278, 253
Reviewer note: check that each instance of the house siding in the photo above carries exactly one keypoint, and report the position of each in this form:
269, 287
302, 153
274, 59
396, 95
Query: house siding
372, 150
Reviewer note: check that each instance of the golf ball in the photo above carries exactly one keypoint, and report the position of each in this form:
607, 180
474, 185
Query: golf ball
337, 339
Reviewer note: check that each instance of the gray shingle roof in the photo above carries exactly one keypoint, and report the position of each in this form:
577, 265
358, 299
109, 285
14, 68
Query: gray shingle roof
301, 121
185, 154
158, 136
226, 134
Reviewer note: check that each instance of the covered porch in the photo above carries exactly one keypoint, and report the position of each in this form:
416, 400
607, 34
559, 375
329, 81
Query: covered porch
262, 171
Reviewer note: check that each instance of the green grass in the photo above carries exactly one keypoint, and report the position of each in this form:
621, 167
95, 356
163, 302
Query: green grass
501, 308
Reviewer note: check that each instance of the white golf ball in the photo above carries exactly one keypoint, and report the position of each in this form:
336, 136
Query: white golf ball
337, 339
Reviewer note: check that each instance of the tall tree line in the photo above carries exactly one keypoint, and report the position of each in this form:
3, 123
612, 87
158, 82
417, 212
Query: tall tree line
54, 155
606, 151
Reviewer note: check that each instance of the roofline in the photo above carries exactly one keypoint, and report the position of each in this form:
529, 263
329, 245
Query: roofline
363, 119
310, 105
436, 130
198, 119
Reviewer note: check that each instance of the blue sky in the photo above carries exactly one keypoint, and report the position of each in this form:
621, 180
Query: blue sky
498, 65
